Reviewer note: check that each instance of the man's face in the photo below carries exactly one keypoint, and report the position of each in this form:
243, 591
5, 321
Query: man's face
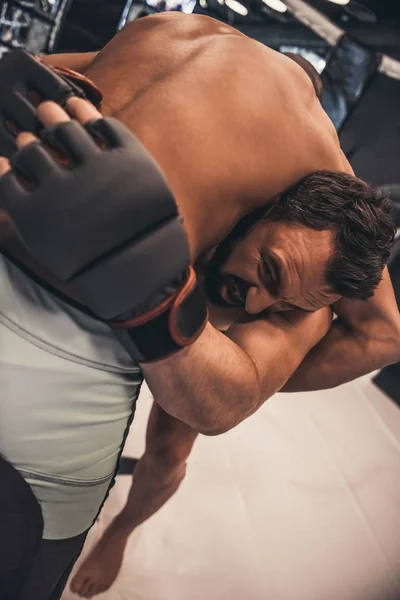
277, 266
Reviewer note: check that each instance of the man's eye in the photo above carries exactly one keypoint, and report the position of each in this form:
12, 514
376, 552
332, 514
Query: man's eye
237, 292
267, 270
268, 275
234, 290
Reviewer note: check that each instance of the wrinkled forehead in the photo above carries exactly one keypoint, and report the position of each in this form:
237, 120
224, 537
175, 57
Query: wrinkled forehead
242, 232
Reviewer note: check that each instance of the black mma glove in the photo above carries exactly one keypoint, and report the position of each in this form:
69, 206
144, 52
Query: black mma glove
107, 224
24, 82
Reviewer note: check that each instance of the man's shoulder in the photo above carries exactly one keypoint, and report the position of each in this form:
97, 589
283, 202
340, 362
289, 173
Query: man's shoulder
173, 28
180, 23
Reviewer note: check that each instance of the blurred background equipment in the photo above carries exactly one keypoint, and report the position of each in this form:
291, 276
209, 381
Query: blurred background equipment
353, 44
31, 24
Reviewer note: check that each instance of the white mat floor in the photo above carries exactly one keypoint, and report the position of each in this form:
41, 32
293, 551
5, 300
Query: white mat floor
300, 502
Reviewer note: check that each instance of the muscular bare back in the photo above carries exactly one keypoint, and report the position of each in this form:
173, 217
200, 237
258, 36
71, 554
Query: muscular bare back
231, 122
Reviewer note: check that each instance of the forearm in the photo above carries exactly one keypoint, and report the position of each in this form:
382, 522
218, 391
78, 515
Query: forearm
341, 357
221, 379
365, 337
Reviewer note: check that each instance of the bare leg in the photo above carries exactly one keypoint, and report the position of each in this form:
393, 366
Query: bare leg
157, 477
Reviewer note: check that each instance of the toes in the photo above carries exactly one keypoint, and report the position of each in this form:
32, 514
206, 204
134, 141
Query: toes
86, 588
102, 588
87, 584
77, 584
82, 110
96, 589
74, 584
91, 591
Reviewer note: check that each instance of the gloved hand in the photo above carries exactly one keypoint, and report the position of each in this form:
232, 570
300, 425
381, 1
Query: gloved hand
104, 221
25, 81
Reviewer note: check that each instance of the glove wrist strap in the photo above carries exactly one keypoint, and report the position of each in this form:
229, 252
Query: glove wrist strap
174, 324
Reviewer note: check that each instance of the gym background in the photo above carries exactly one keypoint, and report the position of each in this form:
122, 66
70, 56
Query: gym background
357, 53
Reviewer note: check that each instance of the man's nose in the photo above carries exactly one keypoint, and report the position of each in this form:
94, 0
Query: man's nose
258, 299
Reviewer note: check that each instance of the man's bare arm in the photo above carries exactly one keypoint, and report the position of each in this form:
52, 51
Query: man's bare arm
365, 337
218, 381
77, 62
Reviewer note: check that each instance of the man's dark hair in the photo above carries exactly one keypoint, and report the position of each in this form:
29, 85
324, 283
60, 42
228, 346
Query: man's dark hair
361, 218
310, 70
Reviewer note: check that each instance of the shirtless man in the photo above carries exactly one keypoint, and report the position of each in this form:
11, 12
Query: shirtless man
234, 125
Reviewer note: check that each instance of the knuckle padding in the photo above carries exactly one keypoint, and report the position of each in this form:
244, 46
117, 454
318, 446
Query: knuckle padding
32, 160
132, 274
111, 131
71, 138
19, 73
20, 110
12, 194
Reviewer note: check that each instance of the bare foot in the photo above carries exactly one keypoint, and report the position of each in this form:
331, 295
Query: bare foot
100, 569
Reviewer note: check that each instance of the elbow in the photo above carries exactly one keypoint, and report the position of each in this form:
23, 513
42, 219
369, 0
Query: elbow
393, 353
396, 344
213, 431
386, 350
391, 346
218, 424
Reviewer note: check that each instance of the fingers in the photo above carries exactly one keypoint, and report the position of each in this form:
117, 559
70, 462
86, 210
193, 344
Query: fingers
51, 114
85, 113
72, 141
82, 110
33, 163
62, 134
25, 138
105, 136
4, 166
